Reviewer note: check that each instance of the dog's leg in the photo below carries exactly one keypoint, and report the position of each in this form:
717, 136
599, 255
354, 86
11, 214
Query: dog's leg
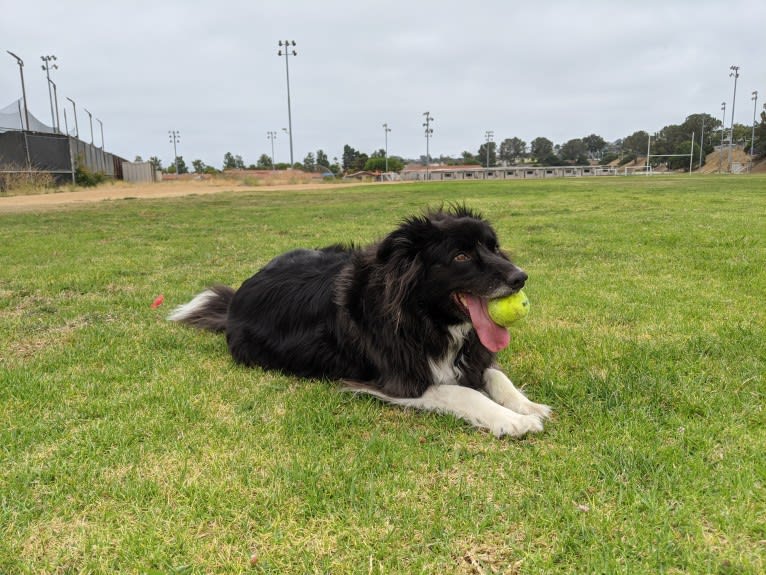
502, 390
474, 407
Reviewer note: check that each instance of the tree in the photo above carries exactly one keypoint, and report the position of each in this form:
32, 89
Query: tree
378, 164
541, 149
264, 162
322, 159
350, 157
239, 163
574, 151
179, 162
229, 163
595, 146
309, 163
199, 166
156, 163
512, 149
469, 159
635, 144
138, 159
487, 154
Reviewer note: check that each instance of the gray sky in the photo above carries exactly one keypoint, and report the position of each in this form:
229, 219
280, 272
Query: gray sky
555, 68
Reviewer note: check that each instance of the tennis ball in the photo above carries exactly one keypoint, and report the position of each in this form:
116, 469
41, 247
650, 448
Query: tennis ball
507, 310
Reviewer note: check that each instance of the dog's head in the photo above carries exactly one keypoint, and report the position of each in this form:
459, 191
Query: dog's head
449, 263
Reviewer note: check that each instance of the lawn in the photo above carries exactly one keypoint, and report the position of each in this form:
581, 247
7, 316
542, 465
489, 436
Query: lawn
131, 445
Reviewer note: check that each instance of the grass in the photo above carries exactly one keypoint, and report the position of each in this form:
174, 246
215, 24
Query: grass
131, 445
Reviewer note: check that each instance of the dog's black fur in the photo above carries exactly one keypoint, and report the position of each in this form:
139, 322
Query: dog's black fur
383, 315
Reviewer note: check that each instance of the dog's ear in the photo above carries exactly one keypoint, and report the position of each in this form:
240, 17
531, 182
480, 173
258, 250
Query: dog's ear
407, 240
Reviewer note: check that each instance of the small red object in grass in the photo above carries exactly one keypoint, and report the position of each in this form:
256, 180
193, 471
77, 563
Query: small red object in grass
158, 301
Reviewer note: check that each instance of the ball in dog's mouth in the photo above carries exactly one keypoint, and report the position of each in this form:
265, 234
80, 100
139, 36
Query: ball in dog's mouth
491, 335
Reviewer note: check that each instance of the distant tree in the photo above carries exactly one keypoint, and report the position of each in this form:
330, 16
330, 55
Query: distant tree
760, 136
359, 162
485, 149
155, 162
595, 145
682, 162
635, 144
264, 162
322, 159
350, 157
229, 163
512, 150
574, 152
199, 166
239, 163
469, 159
378, 164
541, 149
309, 162
182, 169
138, 159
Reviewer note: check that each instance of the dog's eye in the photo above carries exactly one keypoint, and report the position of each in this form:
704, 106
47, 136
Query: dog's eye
462, 257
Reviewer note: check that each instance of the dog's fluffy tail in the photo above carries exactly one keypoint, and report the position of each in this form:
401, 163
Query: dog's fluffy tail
208, 310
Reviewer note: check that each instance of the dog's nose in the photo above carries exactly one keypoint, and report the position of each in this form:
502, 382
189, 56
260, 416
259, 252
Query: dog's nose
517, 279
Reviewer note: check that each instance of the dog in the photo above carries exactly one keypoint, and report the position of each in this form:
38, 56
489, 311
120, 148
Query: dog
404, 319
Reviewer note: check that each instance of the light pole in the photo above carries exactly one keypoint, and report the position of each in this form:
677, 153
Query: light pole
429, 132
90, 117
386, 130
175, 138
47, 67
752, 137
102, 133
56, 101
23, 89
76, 128
272, 136
723, 129
734, 72
702, 141
288, 51
488, 135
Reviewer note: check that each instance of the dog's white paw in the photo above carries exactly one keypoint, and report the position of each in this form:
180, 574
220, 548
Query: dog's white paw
532, 408
516, 425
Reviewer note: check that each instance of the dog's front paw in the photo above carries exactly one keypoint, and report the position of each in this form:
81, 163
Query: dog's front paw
532, 408
516, 425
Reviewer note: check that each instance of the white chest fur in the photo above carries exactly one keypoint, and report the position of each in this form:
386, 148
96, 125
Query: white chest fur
444, 370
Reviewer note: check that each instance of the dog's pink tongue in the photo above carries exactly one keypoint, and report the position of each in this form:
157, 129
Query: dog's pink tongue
492, 336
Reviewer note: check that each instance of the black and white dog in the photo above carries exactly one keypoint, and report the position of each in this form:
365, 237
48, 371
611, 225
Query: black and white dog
404, 319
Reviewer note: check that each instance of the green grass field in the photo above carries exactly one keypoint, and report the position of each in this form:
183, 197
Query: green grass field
131, 445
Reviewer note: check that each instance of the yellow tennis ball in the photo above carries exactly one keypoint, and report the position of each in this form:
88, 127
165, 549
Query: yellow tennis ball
507, 310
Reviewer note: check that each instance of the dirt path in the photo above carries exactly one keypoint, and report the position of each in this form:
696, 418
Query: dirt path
122, 190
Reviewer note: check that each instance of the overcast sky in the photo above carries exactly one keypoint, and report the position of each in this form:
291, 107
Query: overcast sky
554, 68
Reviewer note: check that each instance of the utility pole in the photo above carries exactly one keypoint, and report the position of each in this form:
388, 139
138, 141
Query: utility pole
752, 137
20, 62
288, 51
175, 138
386, 130
76, 128
723, 129
735, 73
488, 135
702, 141
272, 136
429, 133
47, 67
102, 133
90, 117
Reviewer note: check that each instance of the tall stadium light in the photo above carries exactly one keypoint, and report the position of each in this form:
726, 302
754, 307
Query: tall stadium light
288, 51
90, 117
20, 62
702, 140
56, 102
752, 137
488, 136
735, 73
272, 136
723, 130
175, 138
47, 67
101, 124
386, 130
429, 133
76, 127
